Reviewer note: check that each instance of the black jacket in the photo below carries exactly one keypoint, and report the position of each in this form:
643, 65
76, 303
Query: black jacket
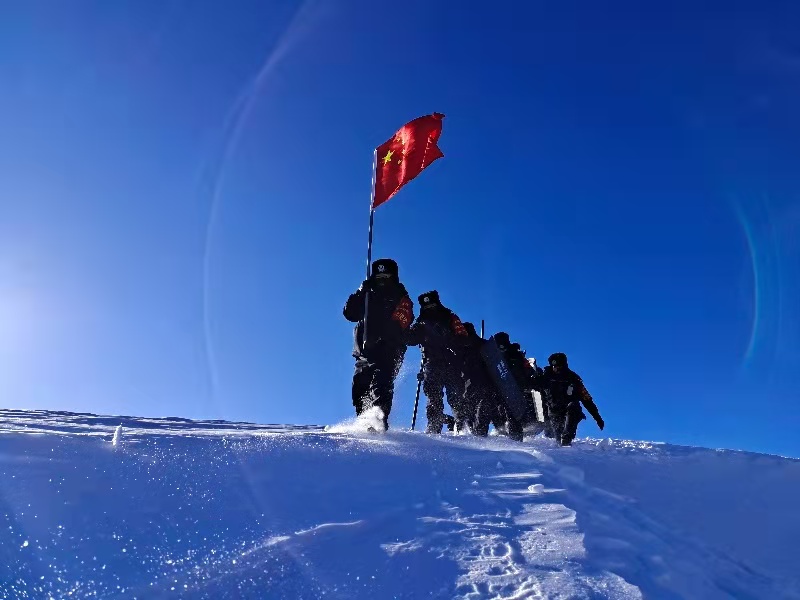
474, 367
559, 389
440, 334
520, 368
390, 315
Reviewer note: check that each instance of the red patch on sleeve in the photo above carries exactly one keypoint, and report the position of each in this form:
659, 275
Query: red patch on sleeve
458, 326
403, 313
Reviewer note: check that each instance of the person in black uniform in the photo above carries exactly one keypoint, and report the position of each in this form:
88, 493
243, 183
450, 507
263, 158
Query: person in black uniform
563, 392
442, 337
524, 371
381, 305
521, 371
482, 401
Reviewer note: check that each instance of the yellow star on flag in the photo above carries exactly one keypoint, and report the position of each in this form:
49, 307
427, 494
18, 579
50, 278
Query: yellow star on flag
388, 157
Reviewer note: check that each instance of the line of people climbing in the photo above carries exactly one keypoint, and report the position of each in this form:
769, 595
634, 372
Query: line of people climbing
454, 366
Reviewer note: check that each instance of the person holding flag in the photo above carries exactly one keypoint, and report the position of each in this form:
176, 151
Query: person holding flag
379, 350
381, 306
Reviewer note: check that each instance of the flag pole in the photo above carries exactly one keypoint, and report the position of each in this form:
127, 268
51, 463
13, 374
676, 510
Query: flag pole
369, 242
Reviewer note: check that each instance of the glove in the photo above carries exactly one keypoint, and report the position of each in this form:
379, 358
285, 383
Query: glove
420, 376
601, 423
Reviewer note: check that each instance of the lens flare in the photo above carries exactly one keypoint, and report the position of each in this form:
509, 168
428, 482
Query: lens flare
234, 126
763, 245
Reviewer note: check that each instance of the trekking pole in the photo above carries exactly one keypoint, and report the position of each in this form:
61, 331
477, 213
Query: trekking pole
416, 400
481, 328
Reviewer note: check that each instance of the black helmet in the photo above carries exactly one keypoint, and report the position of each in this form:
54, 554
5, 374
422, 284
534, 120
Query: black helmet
384, 268
559, 359
429, 299
501, 337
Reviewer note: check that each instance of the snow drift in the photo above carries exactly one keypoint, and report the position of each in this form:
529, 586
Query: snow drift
122, 507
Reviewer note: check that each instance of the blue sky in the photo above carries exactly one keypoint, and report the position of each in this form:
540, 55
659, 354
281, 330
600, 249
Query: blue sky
184, 193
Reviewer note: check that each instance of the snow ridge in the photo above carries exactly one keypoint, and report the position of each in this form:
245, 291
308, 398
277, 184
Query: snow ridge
223, 510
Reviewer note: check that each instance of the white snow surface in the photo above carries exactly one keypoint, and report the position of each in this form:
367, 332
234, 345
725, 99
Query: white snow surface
210, 509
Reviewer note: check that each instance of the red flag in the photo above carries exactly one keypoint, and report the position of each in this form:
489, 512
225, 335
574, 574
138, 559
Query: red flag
404, 156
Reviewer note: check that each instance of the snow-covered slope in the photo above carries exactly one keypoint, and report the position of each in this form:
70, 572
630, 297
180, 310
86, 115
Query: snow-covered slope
180, 508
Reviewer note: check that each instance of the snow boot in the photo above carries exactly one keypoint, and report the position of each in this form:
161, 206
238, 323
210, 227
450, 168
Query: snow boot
450, 422
514, 428
434, 428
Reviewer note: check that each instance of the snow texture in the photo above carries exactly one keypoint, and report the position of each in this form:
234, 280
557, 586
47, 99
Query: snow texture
209, 509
